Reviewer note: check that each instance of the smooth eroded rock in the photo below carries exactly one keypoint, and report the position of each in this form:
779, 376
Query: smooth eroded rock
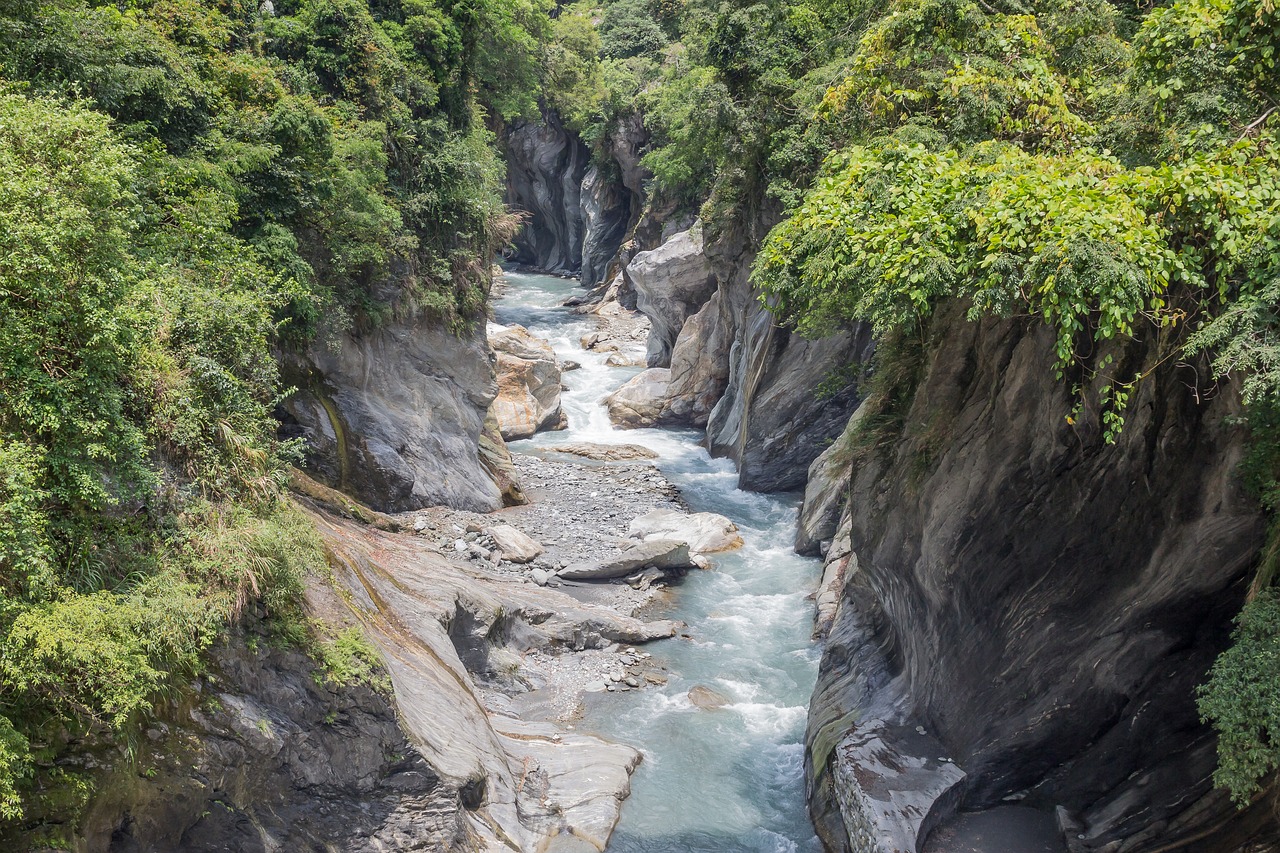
672, 282
394, 415
659, 553
528, 375
705, 532
893, 786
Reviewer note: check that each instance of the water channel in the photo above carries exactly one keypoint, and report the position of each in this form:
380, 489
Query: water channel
722, 780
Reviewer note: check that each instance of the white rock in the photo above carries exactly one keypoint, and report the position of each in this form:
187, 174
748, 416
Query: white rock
704, 531
514, 545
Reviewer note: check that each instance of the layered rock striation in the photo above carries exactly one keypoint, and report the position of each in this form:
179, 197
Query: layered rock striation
578, 212
394, 416
1040, 602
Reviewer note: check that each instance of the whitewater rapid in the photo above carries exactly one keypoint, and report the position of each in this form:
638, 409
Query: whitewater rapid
712, 780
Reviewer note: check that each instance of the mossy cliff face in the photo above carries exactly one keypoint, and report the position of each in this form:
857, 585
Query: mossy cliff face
266, 754
1040, 602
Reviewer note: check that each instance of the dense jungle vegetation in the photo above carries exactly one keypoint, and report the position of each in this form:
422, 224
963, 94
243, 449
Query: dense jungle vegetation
1109, 167
187, 185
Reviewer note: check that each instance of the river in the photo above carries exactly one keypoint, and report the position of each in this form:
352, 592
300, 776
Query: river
722, 780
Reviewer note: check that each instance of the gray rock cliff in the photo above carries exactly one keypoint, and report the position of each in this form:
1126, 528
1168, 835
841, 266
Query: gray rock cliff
1043, 604
394, 416
546, 164
578, 211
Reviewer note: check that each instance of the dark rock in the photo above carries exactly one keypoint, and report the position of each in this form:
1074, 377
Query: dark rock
1044, 603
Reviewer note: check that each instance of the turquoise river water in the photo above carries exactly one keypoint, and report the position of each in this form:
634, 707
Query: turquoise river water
723, 780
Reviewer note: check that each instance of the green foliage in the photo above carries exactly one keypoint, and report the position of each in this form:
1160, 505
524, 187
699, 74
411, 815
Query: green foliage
629, 29
573, 76
15, 764
139, 506
1242, 699
347, 658
1075, 238
66, 215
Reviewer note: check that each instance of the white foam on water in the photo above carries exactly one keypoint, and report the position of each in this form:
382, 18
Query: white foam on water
772, 721
728, 779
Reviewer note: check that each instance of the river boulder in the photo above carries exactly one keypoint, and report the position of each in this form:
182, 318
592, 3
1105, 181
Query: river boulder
528, 398
641, 401
704, 532
666, 554
514, 545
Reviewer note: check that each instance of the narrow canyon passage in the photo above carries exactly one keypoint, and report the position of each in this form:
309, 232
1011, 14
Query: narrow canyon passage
728, 779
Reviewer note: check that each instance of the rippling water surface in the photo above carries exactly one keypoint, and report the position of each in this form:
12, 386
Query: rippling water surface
724, 780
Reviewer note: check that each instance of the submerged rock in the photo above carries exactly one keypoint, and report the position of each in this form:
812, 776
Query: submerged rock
706, 698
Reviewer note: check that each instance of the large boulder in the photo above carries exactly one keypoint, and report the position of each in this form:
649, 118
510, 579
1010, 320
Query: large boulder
671, 282
699, 366
704, 532
642, 401
660, 553
528, 398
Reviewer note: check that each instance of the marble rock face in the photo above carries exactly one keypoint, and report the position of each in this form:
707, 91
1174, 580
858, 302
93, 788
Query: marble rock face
529, 383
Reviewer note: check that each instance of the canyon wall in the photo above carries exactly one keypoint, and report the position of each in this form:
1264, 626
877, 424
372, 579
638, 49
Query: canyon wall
395, 415
578, 211
1022, 611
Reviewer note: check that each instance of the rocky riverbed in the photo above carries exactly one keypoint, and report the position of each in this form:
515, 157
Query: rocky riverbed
580, 509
